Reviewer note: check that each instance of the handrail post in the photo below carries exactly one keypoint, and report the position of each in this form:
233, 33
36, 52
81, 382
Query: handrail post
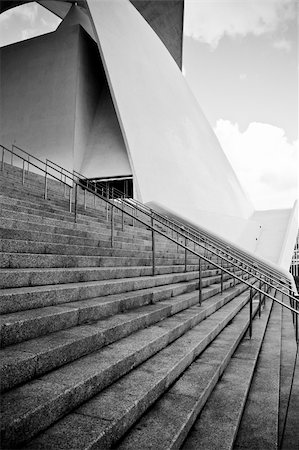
46, 181
112, 225
70, 199
185, 254
107, 206
221, 281
260, 298
199, 282
153, 246
23, 172
122, 214
250, 313
76, 201
2, 164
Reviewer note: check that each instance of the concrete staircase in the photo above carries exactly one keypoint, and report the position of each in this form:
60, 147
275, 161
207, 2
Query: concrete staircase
97, 352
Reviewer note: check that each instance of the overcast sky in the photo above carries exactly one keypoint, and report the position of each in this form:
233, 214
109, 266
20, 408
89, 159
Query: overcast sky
241, 61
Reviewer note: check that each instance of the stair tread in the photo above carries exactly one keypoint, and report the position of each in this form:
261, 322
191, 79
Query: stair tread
259, 424
122, 403
90, 374
218, 422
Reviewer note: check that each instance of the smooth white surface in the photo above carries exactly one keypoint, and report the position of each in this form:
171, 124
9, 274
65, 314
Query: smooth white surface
175, 156
279, 229
289, 242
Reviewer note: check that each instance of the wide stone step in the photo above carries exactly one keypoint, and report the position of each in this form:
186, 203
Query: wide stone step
84, 216
33, 247
13, 278
70, 239
74, 229
43, 354
45, 207
167, 423
83, 222
24, 260
126, 400
20, 326
287, 366
94, 206
38, 404
20, 299
259, 424
217, 424
290, 437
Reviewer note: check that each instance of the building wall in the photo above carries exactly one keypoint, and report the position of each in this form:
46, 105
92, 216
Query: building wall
38, 86
55, 103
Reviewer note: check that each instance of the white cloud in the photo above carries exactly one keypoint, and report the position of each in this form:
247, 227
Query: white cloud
264, 161
27, 12
208, 21
283, 44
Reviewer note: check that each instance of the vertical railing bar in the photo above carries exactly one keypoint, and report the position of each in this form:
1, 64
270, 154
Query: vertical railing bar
122, 215
107, 206
70, 199
221, 281
250, 313
46, 181
199, 282
3, 150
186, 253
260, 298
76, 201
23, 172
153, 246
112, 224
11, 157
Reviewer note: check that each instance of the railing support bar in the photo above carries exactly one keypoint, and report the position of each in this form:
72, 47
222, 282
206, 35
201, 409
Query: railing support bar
153, 246
76, 202
46, 183
221, 281
70, 199
112, 225
199, 282
23, 172
2, 164
186, 241
250, 313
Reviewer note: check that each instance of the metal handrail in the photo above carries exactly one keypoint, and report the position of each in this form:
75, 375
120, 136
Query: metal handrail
145, 210
182, 229
216, 243
187, 249
149, 212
